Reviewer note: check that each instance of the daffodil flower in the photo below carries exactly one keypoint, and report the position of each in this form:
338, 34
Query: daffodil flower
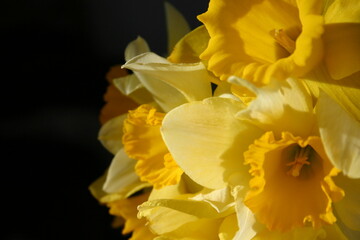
130, 170
315, 40
287, 162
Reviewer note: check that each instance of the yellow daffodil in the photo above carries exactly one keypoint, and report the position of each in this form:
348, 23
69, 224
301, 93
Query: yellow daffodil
285, 161
316, 40
141, 158
256, 40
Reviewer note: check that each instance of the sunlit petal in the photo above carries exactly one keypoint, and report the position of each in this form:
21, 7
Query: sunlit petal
340, 133
205, 138
247, 223
281, 106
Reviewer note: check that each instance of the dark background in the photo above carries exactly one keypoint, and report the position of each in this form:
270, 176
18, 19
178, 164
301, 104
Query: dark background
55, 54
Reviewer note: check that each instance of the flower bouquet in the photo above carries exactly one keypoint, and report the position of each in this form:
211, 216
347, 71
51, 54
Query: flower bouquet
248, 129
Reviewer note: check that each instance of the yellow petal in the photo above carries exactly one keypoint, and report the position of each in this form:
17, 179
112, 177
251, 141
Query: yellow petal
348, 209
163, 220
176, 25
340, 133
121, 177
205, 139
345, 92
171, 84
173, 214
111, 132
202, 229
96, 187
281, 106
143, 142
136, 47
342, 43
219, 199
189, 48
116, 103
132, 87
199, 209
342, 11
247, 223
228, 228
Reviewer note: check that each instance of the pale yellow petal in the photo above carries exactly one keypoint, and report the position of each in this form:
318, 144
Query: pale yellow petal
171, 84
348, 209
162, 220
206, 140
199, 209
228, 227
176, 25
202, 229
342, 43
132, 87
247, 223
280, 106
111, 132
174, 216
136, 47
121, 177
96, 187
340, 133
220, 199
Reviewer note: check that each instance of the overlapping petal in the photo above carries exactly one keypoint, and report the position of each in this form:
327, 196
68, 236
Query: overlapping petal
121, 178
348, 209
205, 138
111, 132
280, 106
340, 133
175, 214
171, 84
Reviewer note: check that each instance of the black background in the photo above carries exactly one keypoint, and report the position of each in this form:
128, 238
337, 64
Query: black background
55, 54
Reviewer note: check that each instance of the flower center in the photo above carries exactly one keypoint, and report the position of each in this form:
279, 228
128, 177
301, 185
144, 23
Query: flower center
291, 183
301, 159
284, 40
